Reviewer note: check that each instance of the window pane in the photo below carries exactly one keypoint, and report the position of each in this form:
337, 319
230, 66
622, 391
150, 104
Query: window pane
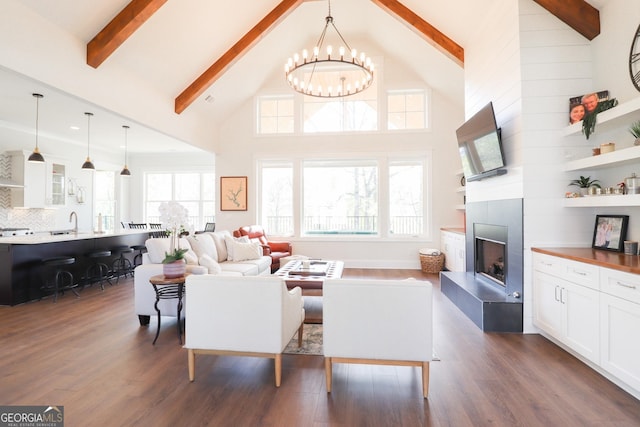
187, 186
405, 198
357, 112
105, 204
406, 110
277, 200
159, 186
340, 198
275, 114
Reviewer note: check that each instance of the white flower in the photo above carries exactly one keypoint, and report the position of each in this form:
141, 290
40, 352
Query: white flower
173, 215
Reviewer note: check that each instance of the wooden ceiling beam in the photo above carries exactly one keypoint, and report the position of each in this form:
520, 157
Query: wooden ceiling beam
430, 33
578, 14
206, 79
119, 29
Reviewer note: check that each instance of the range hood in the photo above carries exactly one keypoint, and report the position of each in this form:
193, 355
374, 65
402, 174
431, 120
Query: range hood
6, 182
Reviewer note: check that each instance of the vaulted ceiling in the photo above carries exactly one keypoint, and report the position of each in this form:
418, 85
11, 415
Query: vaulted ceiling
186, 51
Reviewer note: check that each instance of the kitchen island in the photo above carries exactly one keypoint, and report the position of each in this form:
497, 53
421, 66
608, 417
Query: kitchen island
21, 257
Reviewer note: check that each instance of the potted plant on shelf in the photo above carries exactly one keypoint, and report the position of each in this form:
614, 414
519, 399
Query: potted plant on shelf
584, 183
634, 129
174, 217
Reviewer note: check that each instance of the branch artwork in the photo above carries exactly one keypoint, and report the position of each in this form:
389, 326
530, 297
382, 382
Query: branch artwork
233, 193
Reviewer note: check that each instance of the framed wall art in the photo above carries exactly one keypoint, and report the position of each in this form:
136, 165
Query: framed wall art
233, 193
609, 232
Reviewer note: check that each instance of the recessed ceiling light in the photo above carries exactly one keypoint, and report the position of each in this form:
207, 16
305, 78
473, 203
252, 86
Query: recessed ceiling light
209, 99
74, 128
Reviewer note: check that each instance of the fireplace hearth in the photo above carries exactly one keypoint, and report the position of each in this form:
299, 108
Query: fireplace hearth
490, 291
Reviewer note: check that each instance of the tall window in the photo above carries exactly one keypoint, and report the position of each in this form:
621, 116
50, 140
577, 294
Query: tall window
343, 197
407, 109
105, 200
275, 114
340, 197
406, 190
194, 190
276, 204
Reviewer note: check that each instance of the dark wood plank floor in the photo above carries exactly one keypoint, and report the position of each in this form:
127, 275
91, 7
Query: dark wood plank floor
90, 355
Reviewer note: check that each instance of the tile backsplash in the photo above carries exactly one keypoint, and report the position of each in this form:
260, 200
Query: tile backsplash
35, 219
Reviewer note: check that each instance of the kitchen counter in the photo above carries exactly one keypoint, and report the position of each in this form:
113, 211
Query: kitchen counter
21, 275
601, 258
47, 237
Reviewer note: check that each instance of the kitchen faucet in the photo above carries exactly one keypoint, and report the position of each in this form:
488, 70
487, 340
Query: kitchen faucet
74, 214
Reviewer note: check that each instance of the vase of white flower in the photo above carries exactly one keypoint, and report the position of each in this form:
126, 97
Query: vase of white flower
174, 218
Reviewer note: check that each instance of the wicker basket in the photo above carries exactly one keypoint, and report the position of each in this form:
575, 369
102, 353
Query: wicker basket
431, 263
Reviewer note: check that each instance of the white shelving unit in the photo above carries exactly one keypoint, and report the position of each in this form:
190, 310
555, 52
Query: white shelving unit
621, 115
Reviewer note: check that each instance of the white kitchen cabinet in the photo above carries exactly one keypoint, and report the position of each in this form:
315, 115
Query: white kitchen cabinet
452, 245
565, 306
33, 178
620, 324
43, 183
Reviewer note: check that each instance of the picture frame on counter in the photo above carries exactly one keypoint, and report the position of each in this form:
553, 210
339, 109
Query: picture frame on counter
610, 232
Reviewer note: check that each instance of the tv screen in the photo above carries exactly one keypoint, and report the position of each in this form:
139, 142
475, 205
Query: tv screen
480, 146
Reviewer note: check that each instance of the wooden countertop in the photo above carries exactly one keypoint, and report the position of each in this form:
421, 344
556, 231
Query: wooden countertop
608, 259
39, 238
459, 230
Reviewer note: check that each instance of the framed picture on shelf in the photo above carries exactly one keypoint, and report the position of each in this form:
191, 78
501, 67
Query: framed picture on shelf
233, 193
610, 232
580, 106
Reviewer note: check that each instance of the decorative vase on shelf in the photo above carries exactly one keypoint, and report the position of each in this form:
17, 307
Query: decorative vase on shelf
174, 269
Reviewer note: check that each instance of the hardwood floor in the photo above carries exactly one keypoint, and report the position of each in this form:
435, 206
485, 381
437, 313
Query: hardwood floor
90, 355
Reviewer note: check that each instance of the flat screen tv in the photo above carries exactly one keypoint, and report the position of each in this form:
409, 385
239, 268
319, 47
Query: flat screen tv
480, 146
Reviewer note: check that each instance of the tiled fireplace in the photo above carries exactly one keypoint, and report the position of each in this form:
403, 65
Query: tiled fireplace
490, 291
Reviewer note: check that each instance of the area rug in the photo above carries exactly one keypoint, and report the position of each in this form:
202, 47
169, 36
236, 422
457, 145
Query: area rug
311, 341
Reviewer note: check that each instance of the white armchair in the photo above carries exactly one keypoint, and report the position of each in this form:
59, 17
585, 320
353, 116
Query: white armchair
388, 322
241, 316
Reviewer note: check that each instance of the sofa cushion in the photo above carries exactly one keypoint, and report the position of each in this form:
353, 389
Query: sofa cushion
229, 241
254, 267
246, 251
221, 246
212, 265
203, 244
158, 247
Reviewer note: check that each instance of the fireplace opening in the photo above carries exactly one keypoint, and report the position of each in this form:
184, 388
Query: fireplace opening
490, 260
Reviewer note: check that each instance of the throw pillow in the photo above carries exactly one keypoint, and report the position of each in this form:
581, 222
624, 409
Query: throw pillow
203, 244
156, 249
221, 247
210, 264
230, 240
246, 251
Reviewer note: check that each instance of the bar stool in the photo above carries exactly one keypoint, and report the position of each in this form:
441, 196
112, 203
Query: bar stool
121, 266
98, 270
62, 278
137, 259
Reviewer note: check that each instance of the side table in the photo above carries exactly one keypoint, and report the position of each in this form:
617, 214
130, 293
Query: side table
168, 289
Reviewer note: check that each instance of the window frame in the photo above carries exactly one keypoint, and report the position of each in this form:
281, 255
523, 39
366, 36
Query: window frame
384, 161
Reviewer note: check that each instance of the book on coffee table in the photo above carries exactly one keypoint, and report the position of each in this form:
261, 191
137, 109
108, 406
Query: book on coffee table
316, 268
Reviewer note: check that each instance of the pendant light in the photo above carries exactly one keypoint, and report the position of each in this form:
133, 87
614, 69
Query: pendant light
36, 156
125, 170
88, 164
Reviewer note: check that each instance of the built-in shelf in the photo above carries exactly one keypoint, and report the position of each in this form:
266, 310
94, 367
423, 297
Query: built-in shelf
621, 115
604, 200
614, 158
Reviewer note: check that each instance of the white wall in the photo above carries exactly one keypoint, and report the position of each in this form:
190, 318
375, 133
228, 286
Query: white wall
240, 148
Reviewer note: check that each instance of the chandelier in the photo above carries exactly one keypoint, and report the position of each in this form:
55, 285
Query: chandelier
333, 76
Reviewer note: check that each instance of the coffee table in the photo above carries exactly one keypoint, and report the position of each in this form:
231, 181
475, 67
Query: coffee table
310, 280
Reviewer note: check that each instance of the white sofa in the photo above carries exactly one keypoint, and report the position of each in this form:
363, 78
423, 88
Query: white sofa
241, 316
214, 253
388, 322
